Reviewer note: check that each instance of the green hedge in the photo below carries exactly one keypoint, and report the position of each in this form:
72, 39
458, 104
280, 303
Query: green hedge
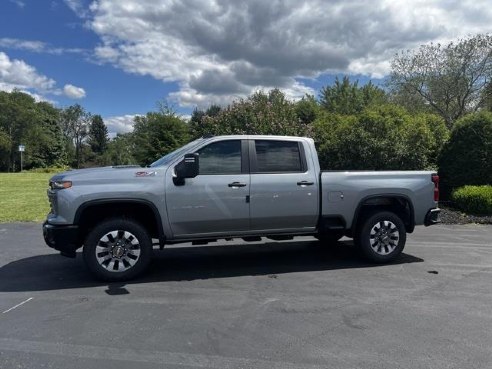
466, 159
474, 199
385, 137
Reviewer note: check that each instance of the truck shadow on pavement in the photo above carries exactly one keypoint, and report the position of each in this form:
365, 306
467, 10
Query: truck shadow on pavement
54, 272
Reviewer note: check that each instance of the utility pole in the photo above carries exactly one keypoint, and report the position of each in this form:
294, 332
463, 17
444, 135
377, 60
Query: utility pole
22, 148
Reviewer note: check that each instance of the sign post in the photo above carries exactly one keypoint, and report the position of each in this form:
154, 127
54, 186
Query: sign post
22, 148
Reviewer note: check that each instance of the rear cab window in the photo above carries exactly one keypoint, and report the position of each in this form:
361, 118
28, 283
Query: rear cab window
275, 156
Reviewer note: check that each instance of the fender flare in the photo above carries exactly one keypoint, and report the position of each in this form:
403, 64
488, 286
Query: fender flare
407, 199
155, 211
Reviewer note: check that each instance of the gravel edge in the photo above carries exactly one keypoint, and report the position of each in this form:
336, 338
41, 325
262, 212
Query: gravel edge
453, 216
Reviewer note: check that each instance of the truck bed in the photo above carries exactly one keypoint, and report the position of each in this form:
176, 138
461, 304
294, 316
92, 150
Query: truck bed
343, 191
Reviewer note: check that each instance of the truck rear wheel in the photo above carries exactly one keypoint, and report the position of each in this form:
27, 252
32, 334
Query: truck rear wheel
381, 237
117, 250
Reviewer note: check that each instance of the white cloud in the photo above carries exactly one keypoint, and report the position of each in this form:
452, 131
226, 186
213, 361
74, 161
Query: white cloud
74, 92
217, 49
37, 97
17, 74
19, 3
120, 124
37, 46
77, 6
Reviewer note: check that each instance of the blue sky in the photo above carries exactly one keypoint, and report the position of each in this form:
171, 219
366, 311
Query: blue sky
118, 58
109, 91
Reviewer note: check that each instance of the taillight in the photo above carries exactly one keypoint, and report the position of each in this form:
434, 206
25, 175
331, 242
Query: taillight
435, 179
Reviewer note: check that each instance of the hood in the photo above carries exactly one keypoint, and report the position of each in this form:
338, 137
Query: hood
107, 174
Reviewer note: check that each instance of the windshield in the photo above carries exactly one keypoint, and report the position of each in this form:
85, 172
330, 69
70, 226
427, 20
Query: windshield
174, 154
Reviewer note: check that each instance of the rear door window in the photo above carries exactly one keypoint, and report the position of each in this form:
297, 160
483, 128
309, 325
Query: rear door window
278, 156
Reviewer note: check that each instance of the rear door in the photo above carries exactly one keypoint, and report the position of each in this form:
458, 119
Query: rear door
284, 189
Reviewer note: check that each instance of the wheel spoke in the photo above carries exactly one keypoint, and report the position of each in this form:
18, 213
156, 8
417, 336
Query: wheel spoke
129, 260
103, 259
112, 236
121, 265
134, 254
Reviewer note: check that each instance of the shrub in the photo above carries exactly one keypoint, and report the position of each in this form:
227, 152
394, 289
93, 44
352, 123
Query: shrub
474, 199
260, 114
466, 159
380, 138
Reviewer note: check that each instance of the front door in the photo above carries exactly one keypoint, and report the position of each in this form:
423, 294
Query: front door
217, 200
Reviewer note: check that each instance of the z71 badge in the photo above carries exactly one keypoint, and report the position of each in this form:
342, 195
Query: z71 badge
145, 174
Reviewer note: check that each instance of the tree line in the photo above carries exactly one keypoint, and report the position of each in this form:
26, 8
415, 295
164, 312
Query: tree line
52, 137
405, 123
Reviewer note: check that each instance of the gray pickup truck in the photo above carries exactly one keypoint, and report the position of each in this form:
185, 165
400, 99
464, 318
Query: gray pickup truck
226, 187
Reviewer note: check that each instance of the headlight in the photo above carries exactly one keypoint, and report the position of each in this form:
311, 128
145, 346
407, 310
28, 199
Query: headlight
59, 185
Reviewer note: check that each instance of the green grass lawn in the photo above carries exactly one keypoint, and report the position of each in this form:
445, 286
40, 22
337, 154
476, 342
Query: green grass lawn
23, 197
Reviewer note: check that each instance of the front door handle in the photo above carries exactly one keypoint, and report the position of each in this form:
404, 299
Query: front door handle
237, 184
305, 183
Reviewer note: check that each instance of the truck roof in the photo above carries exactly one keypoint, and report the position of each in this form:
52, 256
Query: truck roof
245, 137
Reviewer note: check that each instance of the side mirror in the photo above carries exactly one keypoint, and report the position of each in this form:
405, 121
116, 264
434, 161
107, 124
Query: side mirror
188, 167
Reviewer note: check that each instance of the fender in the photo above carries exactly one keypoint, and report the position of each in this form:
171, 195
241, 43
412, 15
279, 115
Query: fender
407, 199
157, 216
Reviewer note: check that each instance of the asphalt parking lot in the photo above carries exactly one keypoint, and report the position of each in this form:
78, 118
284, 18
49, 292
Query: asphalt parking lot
288, 304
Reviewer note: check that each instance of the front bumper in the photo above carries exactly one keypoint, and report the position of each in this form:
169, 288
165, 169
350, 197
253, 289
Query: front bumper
64, 238
432, 217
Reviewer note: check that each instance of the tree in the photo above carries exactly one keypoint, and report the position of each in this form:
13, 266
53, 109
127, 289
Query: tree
487, 96
5, 145
56, 155
450, 79
380, 138
156, 134
75, 122
348, 98
260, 113
307, 109
197, 116
17, 115
35, 125
98, 135
119, 151
466, 159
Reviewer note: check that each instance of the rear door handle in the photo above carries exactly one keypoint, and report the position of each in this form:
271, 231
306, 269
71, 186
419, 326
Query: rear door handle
237, 184
305, 183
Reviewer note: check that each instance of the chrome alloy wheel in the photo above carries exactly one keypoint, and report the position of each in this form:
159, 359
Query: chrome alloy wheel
384, 237
117, 251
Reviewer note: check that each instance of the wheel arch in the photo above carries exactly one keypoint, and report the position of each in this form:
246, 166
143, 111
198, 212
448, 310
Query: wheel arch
145, 212
399, 204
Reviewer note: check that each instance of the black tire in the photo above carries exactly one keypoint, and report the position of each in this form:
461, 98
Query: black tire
381, 237
125, 243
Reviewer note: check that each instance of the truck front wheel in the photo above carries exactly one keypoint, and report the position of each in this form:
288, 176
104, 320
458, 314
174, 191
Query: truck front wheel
117, 250
381, 237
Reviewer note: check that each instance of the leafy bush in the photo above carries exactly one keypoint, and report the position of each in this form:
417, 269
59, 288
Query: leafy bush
466, 159
260, 114
474, 199
380, 138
